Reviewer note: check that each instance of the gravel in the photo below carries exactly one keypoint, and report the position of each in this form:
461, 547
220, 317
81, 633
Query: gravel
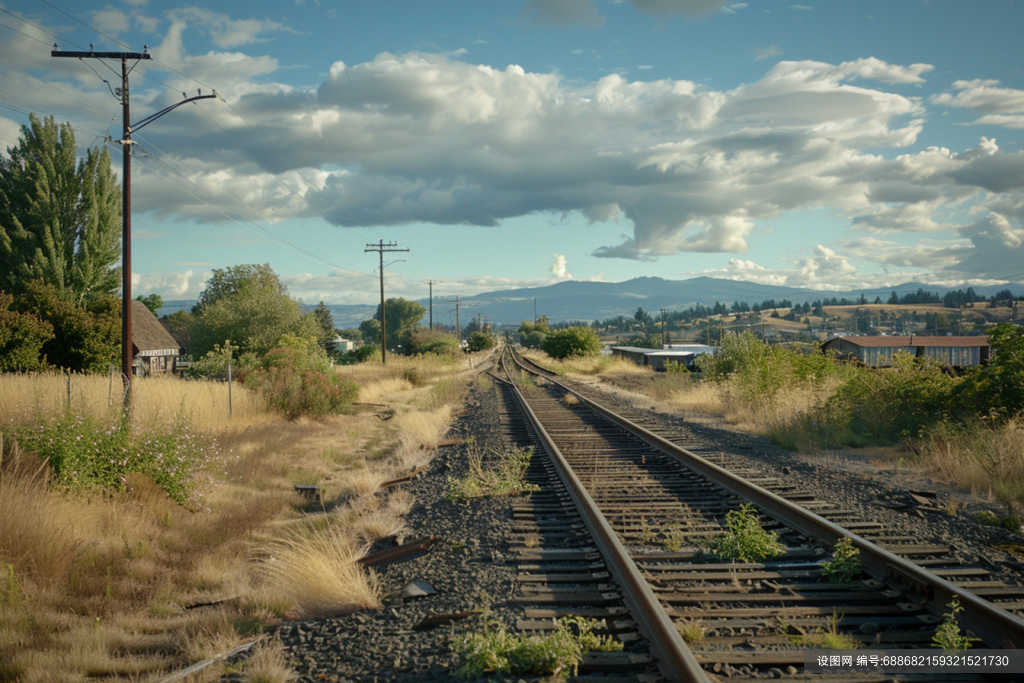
467, 570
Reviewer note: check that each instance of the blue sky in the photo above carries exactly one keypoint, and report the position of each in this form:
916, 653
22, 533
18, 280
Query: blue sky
833, 145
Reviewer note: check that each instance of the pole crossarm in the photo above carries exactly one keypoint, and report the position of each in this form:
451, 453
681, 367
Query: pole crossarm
92, 54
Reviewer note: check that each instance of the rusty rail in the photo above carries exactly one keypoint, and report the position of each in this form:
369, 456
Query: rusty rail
996, 628
675, 661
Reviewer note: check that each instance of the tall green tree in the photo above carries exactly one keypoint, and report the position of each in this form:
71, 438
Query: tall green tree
22, 336
402, 318
249, 307
226, 282
325, 320
154, 302
59, 218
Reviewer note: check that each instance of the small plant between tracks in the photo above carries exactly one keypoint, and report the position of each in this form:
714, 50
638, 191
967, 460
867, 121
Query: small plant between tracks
744, 539
505, 479
844, 565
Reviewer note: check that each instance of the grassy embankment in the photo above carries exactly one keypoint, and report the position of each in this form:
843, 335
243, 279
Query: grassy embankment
99, 572
914, 414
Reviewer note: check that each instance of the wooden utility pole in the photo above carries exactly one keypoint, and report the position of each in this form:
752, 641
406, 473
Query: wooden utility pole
664, 327
126, 192
458, 327
381, 248
431, 283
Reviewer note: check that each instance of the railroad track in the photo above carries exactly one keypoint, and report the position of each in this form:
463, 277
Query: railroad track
620, 528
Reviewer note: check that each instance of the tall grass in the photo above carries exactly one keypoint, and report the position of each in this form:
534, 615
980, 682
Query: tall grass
319, 571
102, 579
985, 459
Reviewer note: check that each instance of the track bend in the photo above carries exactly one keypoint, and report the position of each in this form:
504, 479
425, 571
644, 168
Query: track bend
631, 502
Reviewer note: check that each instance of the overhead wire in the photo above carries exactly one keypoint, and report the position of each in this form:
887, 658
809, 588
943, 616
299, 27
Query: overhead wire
221, 98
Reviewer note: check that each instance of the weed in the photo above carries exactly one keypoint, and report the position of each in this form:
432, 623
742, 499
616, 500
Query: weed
844, 565
646, 532
674, 538
744, 539
570, 399
506, 479
948, 635
692, 631
832, 639
493, 650
1010, 522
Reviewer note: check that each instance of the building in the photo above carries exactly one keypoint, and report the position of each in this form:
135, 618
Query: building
154, 350
685, 354
956, 352
339, 344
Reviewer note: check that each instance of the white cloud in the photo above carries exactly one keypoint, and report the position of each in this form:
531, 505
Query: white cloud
998, 106
801, 8
558, 268
735, 7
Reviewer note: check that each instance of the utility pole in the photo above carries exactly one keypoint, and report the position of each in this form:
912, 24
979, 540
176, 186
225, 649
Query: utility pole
664, 327
382, 248
458, 327
126, 192
431, 283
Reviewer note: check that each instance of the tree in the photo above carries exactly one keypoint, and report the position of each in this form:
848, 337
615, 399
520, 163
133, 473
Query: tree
572, 341
531, 335
229, 281
250, 308
325, 320
179, 324
22, 336
154, 302
59, 223
480, 341
86, 338
402, 318
370, 331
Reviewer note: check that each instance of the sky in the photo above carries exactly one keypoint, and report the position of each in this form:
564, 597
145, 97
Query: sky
830, 145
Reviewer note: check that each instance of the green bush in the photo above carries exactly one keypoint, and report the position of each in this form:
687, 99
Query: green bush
423, 342
356, 356
296, 380
479, 341
744, 539
572, 342
85, 454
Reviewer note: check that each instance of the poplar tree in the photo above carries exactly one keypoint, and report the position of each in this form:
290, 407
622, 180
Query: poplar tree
59, 218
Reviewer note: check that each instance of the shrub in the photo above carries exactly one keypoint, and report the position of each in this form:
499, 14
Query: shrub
479, 341
296, 380
844, 565
422, 342
355, 356
572, 342
85, 454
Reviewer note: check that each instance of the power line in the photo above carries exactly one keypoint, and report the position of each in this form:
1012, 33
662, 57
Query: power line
382, 248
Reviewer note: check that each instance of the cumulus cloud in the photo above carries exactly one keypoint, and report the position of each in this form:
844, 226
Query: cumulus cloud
682, 167
558, 268
420, 137
997, 106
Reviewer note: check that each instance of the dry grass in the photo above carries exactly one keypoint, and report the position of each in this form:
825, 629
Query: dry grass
985, 460
319, 572
156, 400
100, 582
267, 663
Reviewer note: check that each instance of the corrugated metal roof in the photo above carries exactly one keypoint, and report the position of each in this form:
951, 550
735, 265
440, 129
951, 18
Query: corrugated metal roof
914, 340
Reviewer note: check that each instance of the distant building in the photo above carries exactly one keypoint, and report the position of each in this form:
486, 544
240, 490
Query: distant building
956, 352
340, 344
153, 348
685, 354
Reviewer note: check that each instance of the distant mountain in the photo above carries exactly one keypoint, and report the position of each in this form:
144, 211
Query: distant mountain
584, 300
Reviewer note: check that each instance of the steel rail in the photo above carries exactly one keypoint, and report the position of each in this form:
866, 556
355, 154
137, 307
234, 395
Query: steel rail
675, 661
996, 627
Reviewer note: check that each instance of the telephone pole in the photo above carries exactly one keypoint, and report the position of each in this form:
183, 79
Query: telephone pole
431, 283
458, 327
382, 248
126, 192
664, 327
